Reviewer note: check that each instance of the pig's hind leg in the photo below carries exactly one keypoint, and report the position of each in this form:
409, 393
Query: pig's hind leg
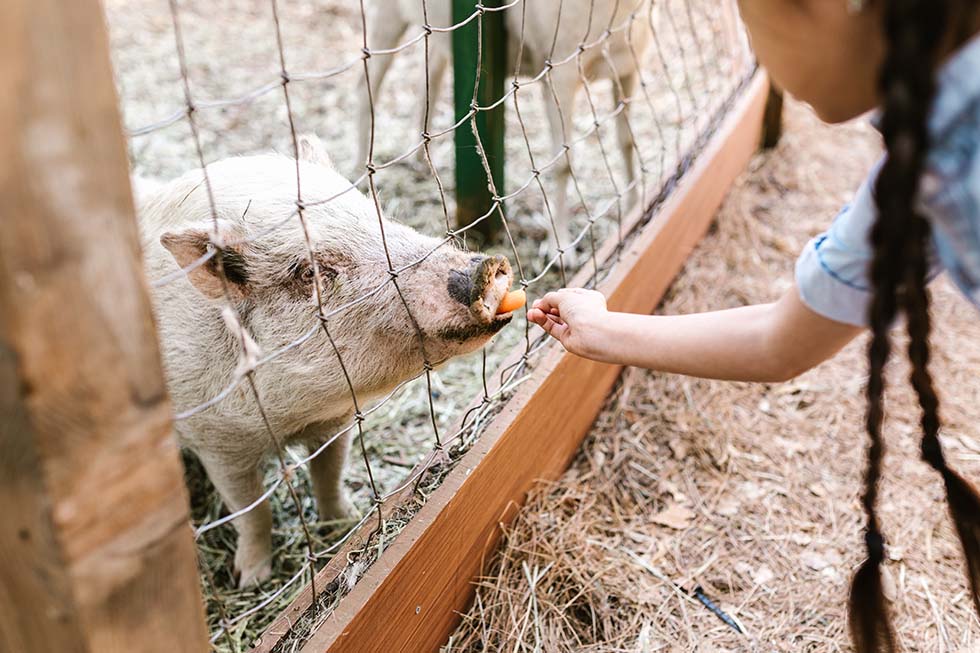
386, 25
327, 468
559, 99
239, 482
624, 90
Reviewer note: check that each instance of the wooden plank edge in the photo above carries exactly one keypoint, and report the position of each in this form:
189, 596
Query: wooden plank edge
637, 283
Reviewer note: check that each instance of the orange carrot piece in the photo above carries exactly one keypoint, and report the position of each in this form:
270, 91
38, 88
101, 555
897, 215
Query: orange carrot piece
512, 301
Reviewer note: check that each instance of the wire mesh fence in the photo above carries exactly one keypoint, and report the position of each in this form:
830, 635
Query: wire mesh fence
606, 104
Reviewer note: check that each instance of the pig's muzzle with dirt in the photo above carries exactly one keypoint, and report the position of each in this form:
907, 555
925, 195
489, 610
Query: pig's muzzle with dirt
263, 270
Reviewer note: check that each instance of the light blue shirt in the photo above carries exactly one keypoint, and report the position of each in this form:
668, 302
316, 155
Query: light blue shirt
832, 272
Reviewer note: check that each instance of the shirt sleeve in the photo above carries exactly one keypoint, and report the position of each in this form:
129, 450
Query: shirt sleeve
832, 271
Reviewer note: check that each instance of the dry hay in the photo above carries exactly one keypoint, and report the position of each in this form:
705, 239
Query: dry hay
749, 491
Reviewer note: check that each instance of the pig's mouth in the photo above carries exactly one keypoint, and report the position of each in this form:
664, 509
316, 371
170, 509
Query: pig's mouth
481, 290
490, 283
475, 331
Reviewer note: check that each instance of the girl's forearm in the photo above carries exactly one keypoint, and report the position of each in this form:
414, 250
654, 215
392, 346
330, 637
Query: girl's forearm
766, 342
719, 345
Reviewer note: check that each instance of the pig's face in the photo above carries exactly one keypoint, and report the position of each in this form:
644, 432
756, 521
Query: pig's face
269, 276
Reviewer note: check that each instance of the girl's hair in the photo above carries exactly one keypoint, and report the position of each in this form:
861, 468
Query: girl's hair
915, 32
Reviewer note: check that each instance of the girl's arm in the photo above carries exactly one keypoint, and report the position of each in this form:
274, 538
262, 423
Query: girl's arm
766, 342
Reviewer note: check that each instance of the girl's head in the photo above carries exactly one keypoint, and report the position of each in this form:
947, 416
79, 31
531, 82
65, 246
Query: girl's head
828, 53
820, 51
845, 57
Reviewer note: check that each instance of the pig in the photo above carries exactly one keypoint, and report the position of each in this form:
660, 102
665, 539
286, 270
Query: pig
388, 21
212, 328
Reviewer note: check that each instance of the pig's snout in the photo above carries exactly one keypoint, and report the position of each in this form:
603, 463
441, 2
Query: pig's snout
481, 287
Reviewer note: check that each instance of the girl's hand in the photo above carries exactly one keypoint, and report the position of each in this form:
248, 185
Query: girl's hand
573, 317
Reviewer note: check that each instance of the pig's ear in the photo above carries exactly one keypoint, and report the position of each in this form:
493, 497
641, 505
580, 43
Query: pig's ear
190, 245
311, 149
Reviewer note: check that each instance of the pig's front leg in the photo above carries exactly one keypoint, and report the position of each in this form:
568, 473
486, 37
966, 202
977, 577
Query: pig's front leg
327, 469
239, 482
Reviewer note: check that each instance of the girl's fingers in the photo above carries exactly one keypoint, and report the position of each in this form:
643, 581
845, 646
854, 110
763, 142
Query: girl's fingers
547, 325
542, 309
546, 313
538, 316
552, 325
558, 332
550, 301
554, 328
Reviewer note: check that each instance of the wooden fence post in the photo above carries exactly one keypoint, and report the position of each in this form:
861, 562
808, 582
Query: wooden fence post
96, 554
772, 121
473, 197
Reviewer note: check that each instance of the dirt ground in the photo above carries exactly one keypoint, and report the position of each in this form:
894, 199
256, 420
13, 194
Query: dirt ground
748, 491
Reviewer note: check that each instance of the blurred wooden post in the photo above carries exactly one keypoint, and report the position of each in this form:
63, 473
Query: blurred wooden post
96, 554
772, 121
473, 196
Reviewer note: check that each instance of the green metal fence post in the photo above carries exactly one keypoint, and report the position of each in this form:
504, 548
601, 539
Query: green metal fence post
473, 195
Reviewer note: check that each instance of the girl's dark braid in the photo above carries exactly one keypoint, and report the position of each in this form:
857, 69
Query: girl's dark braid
914, 31
963, 499
869, 625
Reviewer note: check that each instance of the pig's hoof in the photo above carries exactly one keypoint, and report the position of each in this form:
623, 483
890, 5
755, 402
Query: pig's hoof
340, 509
252, 572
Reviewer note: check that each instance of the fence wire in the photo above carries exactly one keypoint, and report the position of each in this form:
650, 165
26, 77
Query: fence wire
651, 79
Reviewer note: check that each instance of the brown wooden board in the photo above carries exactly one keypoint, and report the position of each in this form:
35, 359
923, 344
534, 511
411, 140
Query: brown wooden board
96, 553
409, 599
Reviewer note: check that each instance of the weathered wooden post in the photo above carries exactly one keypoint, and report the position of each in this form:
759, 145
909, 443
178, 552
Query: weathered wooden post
473, 196
96, 554
772, 121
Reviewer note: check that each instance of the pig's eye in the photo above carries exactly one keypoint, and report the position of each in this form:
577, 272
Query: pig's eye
303, 272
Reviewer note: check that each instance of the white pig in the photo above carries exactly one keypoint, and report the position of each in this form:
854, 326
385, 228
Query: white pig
580, 20
452, 294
